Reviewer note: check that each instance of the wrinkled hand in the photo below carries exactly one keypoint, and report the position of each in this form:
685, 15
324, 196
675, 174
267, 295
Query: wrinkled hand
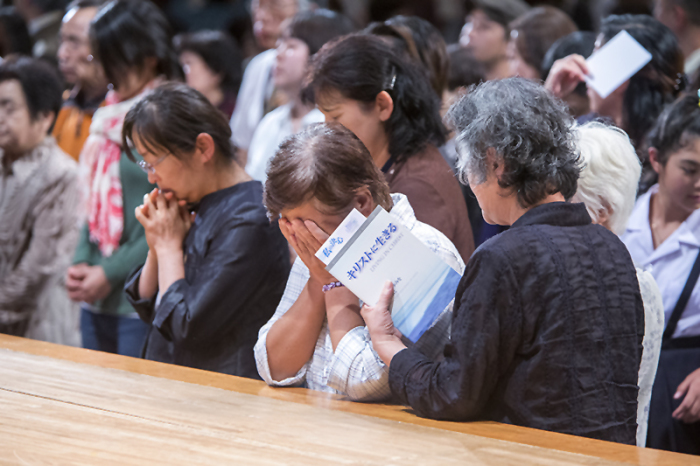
566, 74
165, 220
87, 283
378, 317
689, 409
386, 339
306, 238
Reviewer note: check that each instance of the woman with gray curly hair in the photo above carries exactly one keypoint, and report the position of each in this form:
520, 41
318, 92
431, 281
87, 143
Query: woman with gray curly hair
548, 321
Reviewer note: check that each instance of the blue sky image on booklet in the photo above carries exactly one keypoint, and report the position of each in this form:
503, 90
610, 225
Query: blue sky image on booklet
383, 249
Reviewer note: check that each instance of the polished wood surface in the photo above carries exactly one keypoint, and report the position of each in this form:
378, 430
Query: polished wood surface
64, 405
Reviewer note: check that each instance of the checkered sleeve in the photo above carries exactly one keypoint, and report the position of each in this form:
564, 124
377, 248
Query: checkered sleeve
298, 277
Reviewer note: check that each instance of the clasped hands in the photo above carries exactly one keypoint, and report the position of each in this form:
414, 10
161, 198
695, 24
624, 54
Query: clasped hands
165, 220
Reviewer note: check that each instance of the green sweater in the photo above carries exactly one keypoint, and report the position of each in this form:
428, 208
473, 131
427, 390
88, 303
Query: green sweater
132, 249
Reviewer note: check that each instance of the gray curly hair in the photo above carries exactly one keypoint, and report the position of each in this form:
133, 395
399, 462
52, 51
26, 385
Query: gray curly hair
530, 131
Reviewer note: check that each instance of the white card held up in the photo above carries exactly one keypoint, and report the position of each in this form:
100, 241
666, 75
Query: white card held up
344, 232
615, 63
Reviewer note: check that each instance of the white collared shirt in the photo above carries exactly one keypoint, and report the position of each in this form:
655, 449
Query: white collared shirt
355, 369
670, 263
274, 128
255, 89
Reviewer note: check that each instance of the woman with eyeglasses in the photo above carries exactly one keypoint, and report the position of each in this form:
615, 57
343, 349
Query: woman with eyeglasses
211, 280
132, 40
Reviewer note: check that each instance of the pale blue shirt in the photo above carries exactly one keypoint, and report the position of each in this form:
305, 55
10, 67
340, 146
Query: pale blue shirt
670, 263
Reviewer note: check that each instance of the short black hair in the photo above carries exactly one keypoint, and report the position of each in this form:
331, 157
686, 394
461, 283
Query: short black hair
219, 51
360, 66
40, 82
14, 35
171, 117
677, 127
85, 4
464, 69
125, 33
49, 5
691, 8
316, 27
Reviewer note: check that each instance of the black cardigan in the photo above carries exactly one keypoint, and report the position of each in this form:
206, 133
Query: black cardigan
236, 268
546, 333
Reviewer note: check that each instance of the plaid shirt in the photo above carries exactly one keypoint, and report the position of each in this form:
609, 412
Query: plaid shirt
355, 369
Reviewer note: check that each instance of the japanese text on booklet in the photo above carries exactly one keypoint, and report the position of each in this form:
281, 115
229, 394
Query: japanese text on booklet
380, 249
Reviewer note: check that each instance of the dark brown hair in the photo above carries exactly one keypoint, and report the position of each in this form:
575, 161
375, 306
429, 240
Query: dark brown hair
359, 67
219, 52
171, 117
326, 162
536, 31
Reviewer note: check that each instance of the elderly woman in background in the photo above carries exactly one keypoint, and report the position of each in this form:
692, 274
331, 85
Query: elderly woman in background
38, 194
608, 189
548, 322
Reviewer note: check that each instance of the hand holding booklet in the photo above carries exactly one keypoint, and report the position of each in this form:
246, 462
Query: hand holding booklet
364, 253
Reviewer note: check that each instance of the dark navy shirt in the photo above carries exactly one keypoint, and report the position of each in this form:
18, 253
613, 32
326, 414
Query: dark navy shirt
236, 268
546, 333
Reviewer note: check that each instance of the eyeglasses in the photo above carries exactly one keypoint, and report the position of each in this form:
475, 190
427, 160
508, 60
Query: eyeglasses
150, 168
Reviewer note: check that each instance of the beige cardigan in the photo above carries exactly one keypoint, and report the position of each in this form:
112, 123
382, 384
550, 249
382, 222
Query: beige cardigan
39, 213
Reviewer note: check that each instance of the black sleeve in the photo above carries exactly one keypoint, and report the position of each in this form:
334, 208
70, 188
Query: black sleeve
193, 313
144, 307
486, 330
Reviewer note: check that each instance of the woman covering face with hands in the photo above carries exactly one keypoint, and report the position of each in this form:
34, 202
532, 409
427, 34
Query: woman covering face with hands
317, 336
211, 280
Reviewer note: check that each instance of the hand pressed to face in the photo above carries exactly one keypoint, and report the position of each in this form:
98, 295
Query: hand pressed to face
306, 238
165, 220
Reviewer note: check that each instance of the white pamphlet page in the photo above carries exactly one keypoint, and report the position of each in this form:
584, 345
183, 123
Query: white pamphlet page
383, 249
340, 236
615, 63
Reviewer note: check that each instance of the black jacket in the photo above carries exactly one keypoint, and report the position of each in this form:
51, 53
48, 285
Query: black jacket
236, 267
546, 333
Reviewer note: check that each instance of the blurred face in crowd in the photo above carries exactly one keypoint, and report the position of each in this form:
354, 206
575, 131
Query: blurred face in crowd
679, 178
664, 12
19, 133
268, 16
485, 38
292, 61
198, 75
518, 66
74, 54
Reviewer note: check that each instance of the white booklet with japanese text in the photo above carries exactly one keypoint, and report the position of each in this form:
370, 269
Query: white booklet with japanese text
364, 253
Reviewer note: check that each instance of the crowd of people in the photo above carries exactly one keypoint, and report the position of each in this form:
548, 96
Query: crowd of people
164, 196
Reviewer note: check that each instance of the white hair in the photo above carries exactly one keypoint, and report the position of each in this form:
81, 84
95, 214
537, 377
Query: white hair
610, 176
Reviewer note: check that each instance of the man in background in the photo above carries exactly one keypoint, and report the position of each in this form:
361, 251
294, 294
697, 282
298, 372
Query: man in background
43, 19
83, 72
